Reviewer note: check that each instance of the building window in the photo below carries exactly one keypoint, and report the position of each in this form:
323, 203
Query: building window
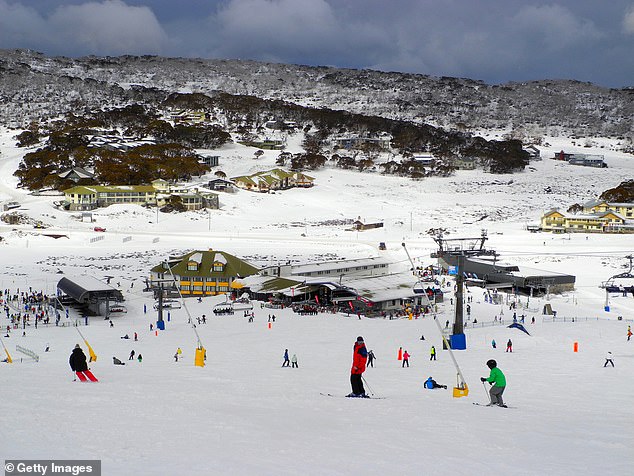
192, 266
218, 267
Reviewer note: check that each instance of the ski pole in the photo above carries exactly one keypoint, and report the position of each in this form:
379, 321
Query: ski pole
367, 385
484, 385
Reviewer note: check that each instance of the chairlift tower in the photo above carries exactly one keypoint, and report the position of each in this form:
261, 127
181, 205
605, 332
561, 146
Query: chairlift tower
627, 275
159, 288
456, 250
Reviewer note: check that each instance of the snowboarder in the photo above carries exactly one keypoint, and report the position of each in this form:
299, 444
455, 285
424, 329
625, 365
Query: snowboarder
608, 359
371, 358
493, 344
286, 362
498, 383
294, 361
77, 360
405, 359
116, 361
509, 346
131, 355
431, 384
140, 358
432, 353
359, 359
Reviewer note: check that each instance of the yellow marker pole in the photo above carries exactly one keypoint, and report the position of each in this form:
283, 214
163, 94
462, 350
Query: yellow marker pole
93, 356
9, 359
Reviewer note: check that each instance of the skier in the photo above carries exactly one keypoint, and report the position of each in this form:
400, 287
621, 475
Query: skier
286, 362
131, 355
359, 358
509, 346
294, 361
371, 358
432, 353
608, 359
629, 332
136, 337
140, 358
431, 384
493, 344
498, 383
405, 359
77, 360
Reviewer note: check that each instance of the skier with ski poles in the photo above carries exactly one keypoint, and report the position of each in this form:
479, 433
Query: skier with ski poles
498, 383
359, 359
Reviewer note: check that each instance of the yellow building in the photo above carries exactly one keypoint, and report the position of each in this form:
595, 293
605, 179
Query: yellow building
599, 222
626, 210
203, 273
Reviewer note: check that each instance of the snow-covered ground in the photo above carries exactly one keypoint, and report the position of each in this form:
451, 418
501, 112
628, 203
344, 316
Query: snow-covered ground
244, 414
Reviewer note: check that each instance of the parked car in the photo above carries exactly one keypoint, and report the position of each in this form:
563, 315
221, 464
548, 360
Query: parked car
99, 228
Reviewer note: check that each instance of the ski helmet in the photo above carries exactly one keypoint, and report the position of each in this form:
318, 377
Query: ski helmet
491, 364
359, 339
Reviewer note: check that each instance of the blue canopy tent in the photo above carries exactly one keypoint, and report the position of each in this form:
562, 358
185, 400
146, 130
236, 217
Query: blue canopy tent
519, 326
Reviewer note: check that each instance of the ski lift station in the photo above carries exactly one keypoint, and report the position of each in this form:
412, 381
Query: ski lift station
487, 272
89, 293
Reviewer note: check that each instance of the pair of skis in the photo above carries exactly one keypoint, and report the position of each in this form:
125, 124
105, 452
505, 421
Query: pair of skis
346, 396
85, 376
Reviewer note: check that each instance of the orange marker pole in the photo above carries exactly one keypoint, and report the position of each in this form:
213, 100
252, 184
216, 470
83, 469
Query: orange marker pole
575, 347
269, 325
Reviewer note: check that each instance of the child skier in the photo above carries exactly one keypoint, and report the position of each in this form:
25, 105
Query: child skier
498, 383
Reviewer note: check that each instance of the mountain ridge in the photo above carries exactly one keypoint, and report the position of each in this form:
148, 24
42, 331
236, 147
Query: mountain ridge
528, 110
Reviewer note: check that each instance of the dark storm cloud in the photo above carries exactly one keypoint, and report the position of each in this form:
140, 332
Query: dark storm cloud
492, 40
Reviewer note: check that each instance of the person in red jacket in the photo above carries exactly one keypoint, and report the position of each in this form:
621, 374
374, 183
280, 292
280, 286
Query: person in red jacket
359, 359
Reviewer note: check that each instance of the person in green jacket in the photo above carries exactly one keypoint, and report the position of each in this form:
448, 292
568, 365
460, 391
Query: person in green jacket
498, 383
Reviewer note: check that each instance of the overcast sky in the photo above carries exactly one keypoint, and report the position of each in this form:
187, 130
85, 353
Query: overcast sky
492, 40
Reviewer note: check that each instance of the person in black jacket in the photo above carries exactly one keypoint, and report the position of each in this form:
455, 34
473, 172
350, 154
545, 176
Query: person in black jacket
77, 360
